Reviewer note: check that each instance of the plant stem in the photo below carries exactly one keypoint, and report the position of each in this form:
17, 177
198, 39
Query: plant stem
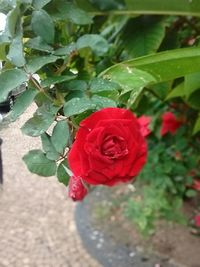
40, 88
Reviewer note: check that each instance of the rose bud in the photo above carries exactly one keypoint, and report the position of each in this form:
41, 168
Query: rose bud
77, 190
109, 148
170, 123
144, 122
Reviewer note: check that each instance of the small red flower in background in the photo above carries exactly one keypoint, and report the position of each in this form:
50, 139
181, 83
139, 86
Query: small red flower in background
197, 220
77, 190
196, 184
170, 123
144, 122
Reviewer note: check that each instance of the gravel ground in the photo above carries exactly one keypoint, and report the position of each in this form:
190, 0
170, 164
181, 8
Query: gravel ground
37, 226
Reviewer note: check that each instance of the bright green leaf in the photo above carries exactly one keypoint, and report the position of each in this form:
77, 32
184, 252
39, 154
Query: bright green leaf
43, 26
192, 83
131, 79
22, 103
160, 67
170, 7
38, 163
197, 125
3, 51
78, 105
178, 91
143, 35
9, 80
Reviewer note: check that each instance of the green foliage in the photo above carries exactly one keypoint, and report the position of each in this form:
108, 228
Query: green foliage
76, 57
43, 26
40, 122
10, 79
22, 103
166, 180
38, 163
63, 176
48, 147
61, 136
143, 35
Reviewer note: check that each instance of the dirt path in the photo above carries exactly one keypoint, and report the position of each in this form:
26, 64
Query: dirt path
37, 227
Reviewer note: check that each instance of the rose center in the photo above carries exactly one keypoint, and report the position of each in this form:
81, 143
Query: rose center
114, 147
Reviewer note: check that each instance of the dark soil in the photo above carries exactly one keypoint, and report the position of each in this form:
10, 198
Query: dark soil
172, 245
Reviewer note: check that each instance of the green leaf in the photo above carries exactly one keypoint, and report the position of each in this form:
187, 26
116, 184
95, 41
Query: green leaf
38, 4
41, 121
22, 103
190, 193
97, 43
38, 43
57, 79
43, 26
63, 176
37, 63
197, 125
143, 35
100, 85
78, 105
3, 53
178, 7
103, 102
108, 4
178, 91
64, 10
193, 100
66, 50
9, 80
11, 21
48, 147
6, 6
160, 67
131, 79
61, 136
38, 163
192, 83
77, 85
15, 54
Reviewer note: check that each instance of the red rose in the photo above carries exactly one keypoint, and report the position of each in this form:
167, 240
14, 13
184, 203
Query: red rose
169, 123
144, 122
197, 220
77, 191
109, 148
